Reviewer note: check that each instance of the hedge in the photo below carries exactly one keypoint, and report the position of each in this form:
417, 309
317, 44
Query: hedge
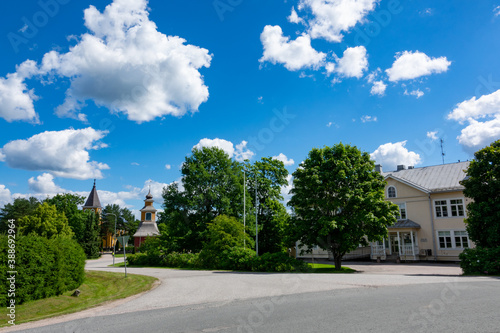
481, 261
45, 267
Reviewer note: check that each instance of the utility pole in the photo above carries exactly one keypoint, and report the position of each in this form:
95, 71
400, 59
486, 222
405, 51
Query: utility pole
244, 209
256, 222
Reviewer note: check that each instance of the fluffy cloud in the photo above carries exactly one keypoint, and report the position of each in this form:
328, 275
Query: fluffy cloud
485, 106
378, 88
496, 11
61, 153
478, 134
44, 184
125, 64
367, 119
240, 152
293, 54
16, 100
294, 17
353, 62
411, 65
432, 135
331, 18
417, 93
168, 166
390, 155
285, 190
5, 196
286, 161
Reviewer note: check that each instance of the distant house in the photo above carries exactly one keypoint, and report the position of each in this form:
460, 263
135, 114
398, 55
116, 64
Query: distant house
430, 225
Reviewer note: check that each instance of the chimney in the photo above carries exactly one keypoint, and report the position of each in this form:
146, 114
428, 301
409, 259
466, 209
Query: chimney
411, 167
378, 168
401, 167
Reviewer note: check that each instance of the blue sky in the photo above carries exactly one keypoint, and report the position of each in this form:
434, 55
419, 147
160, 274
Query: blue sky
122, 91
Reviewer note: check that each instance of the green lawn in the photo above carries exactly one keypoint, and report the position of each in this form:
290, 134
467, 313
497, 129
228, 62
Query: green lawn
99, 287
324, 268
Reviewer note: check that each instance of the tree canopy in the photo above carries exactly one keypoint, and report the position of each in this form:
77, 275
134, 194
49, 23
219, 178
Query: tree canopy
338, 201
16, 210
482, 185
45, 221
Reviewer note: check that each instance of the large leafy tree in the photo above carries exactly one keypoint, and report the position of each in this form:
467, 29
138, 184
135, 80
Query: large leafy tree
45, 221
482, 185
338, 200
268, 175
16, 210
68, 204
125, 220
212, 186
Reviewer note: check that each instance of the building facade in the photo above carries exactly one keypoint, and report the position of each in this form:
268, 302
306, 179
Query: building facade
148, 227
93, 203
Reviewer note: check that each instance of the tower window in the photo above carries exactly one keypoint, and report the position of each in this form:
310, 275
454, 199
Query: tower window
148, 216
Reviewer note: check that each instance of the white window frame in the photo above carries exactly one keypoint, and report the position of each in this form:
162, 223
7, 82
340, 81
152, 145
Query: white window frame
453, 235
446, 210
395, 192
402, 205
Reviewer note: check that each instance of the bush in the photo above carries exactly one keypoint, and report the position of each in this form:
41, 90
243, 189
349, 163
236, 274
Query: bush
181, 260
45, 267
480, 261
278, 262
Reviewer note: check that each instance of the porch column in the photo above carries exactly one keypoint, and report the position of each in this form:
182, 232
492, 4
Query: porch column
399, 245
412, 245
390, 245
383, 246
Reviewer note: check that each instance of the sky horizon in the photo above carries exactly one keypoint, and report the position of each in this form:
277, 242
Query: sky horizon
122, 90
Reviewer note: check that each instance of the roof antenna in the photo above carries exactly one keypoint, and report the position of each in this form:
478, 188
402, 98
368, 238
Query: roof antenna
442, 149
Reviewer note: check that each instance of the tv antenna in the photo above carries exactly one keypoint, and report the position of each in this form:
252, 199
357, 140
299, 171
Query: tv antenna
442, 149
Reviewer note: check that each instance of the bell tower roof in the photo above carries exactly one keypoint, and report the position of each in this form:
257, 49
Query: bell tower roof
93, 199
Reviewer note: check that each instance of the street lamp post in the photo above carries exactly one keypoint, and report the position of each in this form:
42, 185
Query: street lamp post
114, 236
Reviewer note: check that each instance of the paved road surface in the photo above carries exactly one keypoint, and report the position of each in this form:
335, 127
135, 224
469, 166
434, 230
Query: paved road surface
386, 298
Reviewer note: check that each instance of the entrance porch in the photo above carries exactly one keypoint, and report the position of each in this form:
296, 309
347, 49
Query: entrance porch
402, 243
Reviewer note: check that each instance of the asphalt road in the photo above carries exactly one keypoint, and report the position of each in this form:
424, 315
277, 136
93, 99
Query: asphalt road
385, 298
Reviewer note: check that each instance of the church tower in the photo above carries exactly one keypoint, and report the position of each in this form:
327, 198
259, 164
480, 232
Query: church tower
93, 202
148, 227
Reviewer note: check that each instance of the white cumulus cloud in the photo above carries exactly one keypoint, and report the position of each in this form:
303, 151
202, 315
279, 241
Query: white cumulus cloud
411, 65
293, 54
432, 135
61, 153
417, 93
16, 100
286, 161
5, 195
125, 64
44, 184
390, 155
378, 88
353, 62
240, 152
368, 119
331, 18
478, 134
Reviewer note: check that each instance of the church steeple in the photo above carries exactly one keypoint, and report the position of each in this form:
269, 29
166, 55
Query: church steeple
93, 202
148, 227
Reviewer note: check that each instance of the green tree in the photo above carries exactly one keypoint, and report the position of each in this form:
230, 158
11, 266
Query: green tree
68, 204
91, 239
125, 220
45, 221
269, 175
212, 186
338, 200
19, 208
482, 185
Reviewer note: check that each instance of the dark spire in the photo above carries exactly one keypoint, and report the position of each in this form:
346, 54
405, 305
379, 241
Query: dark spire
93, 199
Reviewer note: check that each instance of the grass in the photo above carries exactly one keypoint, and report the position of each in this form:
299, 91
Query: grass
99, 287
315, 268
324, 268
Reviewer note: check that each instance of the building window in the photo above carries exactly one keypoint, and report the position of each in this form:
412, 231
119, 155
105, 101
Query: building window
454, 239
148, 216
391, 192
449, 208
457, 207
402, 211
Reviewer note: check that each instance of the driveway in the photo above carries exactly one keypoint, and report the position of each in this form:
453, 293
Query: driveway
195, 288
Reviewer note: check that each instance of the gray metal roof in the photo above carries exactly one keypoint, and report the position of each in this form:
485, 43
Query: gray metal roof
147, 229
436, 178
93, 199
405, 224
148, 209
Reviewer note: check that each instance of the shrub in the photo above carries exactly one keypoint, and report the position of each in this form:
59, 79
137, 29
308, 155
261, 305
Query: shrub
181, 260
278, 262
140, 259
480, 261
45, 267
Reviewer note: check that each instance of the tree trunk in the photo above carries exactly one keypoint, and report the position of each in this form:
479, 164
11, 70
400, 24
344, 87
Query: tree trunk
338, 261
